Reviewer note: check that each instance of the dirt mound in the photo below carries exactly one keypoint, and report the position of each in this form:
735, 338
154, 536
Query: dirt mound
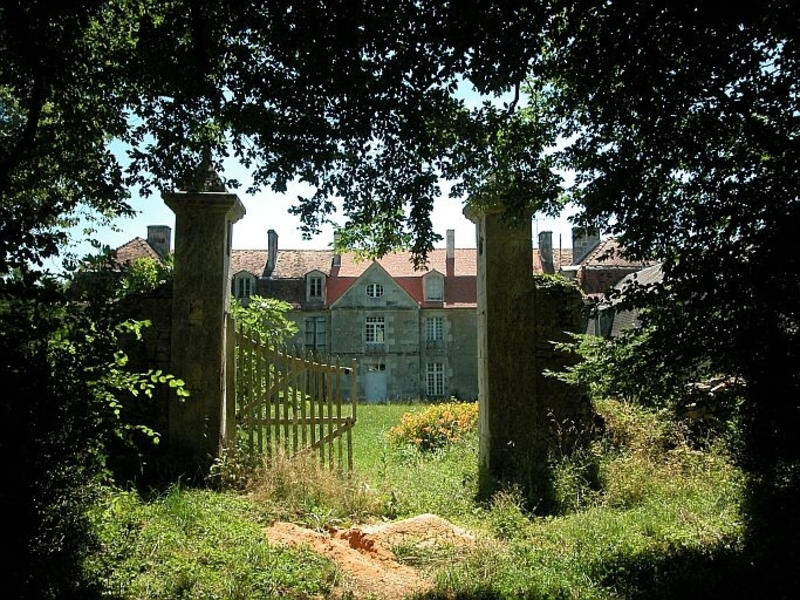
364, 553
422, 530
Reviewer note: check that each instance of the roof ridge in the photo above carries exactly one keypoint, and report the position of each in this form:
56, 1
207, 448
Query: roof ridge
592, 254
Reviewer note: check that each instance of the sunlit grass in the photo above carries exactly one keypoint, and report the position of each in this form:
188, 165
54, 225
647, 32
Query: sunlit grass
660, 520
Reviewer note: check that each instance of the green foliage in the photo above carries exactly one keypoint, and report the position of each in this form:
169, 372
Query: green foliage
196, 544
436, 425
144, 275
629, 367
72, 390
666, 522
507, 516
172, 84
265, 317
302, 490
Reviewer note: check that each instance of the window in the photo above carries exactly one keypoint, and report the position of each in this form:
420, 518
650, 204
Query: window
316, 329
245, 287
434, 329
434, 379
315, 287
374, 290
434, 288
374, 330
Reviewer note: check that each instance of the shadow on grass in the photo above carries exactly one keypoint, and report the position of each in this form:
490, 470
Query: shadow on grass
688, 575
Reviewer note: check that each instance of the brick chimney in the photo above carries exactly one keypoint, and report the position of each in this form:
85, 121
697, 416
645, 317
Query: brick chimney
584, 241
450, 256
272, 251
160, 238
546, 251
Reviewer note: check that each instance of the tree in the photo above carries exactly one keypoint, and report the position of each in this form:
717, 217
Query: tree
682, 127
680, 122
265, 317
356, 100
351, 98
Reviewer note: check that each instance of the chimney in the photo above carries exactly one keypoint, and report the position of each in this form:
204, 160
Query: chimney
450, 256
272, 251
160, 238
337, 257
546, 251
584, 241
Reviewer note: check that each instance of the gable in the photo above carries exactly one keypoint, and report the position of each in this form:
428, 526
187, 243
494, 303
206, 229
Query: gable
392, 293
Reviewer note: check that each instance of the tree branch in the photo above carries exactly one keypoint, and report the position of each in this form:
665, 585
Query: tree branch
512, 107
13, 157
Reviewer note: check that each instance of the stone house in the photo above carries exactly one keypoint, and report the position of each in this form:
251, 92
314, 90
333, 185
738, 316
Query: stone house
412, 332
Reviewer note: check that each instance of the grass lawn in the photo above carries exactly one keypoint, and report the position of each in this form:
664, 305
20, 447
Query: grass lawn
663, 521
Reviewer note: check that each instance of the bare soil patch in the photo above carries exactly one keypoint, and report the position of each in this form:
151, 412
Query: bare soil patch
364, 553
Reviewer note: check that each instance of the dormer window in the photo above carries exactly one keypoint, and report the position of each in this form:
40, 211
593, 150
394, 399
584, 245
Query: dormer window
315, 287
244, 286
374, 290
434, 287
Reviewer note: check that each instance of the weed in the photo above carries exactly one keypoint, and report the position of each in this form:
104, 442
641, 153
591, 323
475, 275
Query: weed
658, 520
506, 514
197, 544
301, 489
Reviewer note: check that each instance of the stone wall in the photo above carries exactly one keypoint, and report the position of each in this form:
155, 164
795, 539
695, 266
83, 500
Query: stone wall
461, 335
559, 309
518, 318
152, 352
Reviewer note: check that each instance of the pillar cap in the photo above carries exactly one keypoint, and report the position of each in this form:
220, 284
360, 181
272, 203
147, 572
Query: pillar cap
209, 202
475, 210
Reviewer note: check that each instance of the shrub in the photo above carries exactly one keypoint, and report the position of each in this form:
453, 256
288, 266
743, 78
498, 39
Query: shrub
630, 367
436, 426
507, 515
72, 391
265, 317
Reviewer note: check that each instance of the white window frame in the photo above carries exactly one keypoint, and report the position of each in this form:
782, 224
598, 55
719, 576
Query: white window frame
434, 380
244, 287
434, 329
374, 290
375, 330
315, 287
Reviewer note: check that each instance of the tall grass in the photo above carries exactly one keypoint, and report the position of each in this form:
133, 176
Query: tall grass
662, 520
197, 544
641, 514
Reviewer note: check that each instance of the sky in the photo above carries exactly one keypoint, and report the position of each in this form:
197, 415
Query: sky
270, 210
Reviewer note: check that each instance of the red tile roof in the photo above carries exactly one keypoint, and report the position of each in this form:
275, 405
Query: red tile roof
398, 264
290, 264
252, 261
609, 253
294, 264
135, 249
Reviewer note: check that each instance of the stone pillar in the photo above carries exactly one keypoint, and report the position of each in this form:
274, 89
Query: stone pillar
201, 292
517, 323
512, 442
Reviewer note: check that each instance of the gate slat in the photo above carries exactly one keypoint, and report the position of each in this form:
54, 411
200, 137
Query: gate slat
276, 390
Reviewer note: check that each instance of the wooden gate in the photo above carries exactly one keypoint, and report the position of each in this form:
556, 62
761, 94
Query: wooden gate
293, 402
